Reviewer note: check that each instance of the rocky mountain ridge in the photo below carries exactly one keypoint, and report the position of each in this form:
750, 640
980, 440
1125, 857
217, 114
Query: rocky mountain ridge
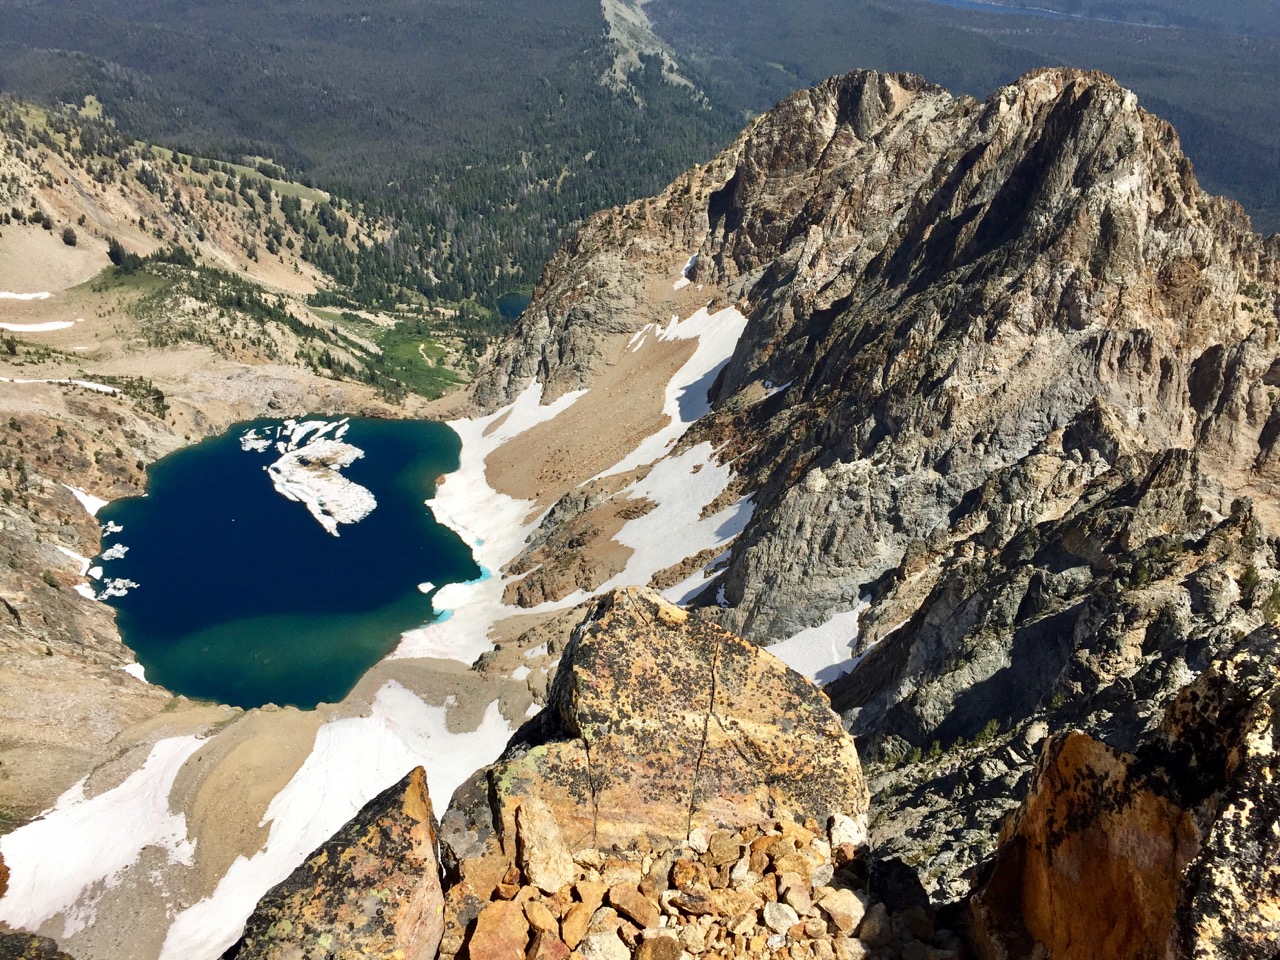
1025, 407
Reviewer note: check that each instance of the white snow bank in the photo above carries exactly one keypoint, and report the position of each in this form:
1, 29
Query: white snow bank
686, 395
135, 670
824, 652
63, 862
492, 524
353, 759
40, 327
85, 590
81, 562
87, 500
6, 295
681, 487
68, 382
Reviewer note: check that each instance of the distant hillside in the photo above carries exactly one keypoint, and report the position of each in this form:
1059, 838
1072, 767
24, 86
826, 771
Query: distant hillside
483, 130
224, 255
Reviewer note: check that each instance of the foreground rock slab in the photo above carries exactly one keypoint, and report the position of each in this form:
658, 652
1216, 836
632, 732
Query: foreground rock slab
659, 724
373, 890
1168, 852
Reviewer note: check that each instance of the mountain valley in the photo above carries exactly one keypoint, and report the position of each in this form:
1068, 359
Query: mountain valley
965, 410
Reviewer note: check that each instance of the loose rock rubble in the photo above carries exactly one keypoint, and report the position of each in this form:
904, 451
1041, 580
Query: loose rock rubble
776, 889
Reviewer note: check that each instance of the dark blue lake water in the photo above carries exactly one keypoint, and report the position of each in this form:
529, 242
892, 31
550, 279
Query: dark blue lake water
243, 596
512, 304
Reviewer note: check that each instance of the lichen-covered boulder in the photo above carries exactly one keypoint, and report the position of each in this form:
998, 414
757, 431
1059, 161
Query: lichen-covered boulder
660, 724
372, 890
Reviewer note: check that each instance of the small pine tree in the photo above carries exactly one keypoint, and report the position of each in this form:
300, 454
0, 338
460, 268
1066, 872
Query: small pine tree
69, 236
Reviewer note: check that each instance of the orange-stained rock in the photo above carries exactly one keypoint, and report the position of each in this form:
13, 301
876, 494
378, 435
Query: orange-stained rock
1172, 852
660, 722
502, 932
547, 946
630, 902
575, 923
1092, 863
540, 917
372, 890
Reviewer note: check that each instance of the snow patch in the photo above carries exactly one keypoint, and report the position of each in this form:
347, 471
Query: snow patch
87, 500
135, 670
40, 327
824, 652
81, 562
63, 862
6, 295
353, 760
492, 524
87, 384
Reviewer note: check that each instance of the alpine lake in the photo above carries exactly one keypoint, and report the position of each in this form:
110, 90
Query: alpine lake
277, 562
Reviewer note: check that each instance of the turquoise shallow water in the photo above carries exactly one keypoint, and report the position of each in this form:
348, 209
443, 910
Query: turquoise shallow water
244, 598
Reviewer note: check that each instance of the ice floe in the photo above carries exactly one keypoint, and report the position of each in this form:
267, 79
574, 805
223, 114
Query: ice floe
310, 475
115, 552
353, 759
62, 862
116, 587
312, 455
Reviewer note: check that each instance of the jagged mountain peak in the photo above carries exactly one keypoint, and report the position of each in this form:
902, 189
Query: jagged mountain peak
1004, 372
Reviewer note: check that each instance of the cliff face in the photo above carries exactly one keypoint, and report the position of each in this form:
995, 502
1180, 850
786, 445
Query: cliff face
1168, 851
1007, 375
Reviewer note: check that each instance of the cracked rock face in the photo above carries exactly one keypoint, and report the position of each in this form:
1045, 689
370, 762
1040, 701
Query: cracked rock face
1167, 852
660, 724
